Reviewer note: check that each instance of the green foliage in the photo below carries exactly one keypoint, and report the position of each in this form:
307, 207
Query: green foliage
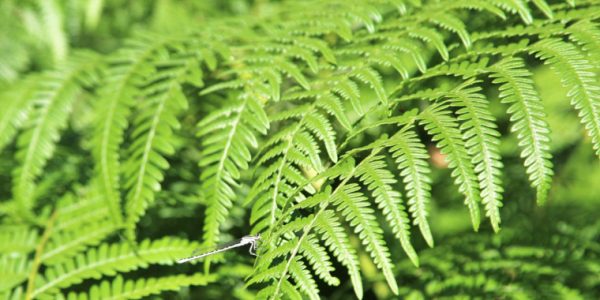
325, 126
560, 265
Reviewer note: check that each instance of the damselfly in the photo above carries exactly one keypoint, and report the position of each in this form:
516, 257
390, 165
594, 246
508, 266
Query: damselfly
251, 240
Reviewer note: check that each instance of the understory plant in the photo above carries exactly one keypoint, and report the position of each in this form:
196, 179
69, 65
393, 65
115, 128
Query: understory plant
381, 149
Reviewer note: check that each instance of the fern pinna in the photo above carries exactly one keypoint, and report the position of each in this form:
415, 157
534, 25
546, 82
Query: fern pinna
315, 120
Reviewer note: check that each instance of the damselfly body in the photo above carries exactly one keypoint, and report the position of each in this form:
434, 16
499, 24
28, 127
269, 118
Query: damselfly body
251, 240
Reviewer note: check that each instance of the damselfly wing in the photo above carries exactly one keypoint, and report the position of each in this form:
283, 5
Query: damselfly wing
251, 240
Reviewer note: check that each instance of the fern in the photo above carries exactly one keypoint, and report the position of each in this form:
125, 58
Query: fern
107, 260
529, 122
121, 289
380, 181
581, 84
53, 100
324, 126
127, 70
410, 156
552, 268
225, 155
444, 128
152, 138
481, 140
15, 111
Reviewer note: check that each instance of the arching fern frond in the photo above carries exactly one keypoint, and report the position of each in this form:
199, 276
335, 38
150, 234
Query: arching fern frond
443, 128
52, 101
579, 79
410, 156
228, 134
379, 181
152, 133
527, 114
109, 259
355, 209
339, 244
124, 76
481, 140
120, 288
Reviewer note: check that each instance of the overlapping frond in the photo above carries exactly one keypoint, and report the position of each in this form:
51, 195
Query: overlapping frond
227, 136
52, 101
108, 259
353, 205
121, 87
291, 155
481, 140
153, 131
380, 181
443, 128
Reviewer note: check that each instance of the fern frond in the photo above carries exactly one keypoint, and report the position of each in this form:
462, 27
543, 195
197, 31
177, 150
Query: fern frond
516, 6
481, 139
444, 130
323, 130
120, 288
527, 114
152, 134
17, 239
303, 279
338, 242
410, 156
15, 110
227, 136
76, 211
578, 78
63, 245
319, 260
52, 101
76, 224
124, 75
379, 181
110, 259
353, 206
13, 271
348, 90
586, 34
454, 24
291, 152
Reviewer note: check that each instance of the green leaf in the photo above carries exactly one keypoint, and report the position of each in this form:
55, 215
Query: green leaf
411, 158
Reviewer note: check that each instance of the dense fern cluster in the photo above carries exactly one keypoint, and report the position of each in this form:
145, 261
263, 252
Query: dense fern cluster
562, 265
316, 115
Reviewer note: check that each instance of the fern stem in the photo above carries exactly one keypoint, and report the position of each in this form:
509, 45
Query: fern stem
37, 260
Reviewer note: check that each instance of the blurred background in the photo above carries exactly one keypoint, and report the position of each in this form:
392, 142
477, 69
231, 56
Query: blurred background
551, 251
